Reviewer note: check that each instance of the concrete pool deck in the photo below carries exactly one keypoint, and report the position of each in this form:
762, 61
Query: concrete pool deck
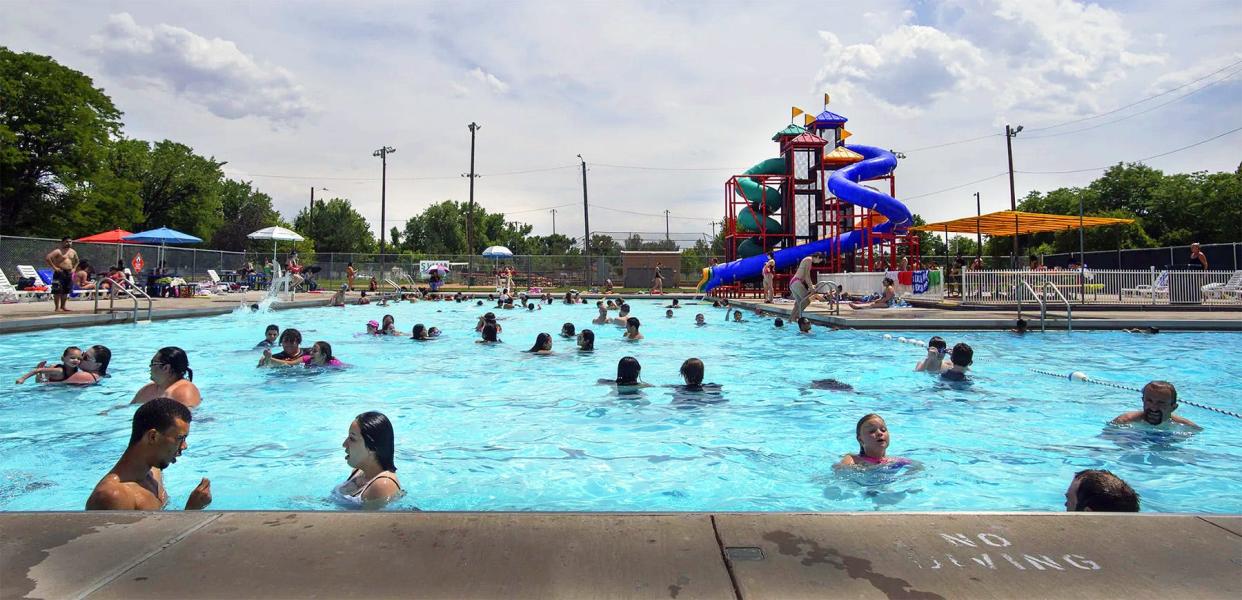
610, 555
974, 318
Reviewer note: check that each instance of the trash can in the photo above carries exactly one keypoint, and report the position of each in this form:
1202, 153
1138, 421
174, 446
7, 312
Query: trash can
1186, 284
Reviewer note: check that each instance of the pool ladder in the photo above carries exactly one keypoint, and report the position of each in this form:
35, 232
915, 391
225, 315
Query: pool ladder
133, 293
1043, 307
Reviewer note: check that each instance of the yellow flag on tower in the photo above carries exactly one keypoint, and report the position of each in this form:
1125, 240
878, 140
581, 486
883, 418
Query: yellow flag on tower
795, 112
825, 99
807, 119
845, 133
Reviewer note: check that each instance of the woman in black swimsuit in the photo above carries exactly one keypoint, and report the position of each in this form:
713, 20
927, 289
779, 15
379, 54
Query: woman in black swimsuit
369, 449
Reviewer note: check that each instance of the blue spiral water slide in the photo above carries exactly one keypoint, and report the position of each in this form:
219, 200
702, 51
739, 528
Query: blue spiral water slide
844, 184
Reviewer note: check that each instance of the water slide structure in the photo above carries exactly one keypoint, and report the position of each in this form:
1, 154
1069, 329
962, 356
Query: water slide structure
844, 183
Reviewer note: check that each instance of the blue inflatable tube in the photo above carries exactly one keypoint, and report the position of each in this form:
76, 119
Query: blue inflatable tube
845, 185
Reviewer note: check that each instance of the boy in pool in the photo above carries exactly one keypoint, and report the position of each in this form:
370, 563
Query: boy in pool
1097, 490
779, 323
70, 359
668, 314
935, 360
962, 357
1159, 402
804, 325
269, 337
699, 320
631, 329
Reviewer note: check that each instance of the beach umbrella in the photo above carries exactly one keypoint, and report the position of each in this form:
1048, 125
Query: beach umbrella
116, 236
276, 234
497, 252
162, 236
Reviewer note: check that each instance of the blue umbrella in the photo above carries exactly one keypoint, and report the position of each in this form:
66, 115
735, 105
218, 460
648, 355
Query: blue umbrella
162, 236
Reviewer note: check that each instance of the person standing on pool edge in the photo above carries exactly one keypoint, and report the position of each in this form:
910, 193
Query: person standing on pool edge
64, 261
171, 377
157, 437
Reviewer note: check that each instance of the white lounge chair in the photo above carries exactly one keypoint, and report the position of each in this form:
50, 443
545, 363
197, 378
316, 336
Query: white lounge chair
213, 284
10, 294
1158, 289
1223, 291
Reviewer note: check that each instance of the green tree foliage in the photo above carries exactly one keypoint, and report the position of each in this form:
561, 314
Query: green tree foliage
244, 210
441, 230
181, 190
55, 129
604, 245
335, 227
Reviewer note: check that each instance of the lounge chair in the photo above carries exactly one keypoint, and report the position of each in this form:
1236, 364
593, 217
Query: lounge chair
1158, 289
213, 285
10, 294
1223, 291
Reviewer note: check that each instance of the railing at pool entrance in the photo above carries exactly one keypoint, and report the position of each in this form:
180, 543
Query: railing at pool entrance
1150, 287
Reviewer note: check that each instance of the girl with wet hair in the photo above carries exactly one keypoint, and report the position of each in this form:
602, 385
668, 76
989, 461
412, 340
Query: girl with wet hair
543, 344
489, 334
420, 333
369, 449
628, 372
586, 340
872, 434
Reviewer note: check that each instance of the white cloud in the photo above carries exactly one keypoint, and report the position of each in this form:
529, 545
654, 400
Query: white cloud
213, 73
491, 81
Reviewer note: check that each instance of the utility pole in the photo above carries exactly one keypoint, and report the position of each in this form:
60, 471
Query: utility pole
1013, 198
666, 238
473, 127
586, 224
383, 153
714, 224
978, 231
312, 204
553, 211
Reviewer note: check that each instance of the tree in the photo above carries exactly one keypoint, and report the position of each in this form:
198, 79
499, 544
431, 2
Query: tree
604, 245
181, 190
335, 227
244, 210
55, 127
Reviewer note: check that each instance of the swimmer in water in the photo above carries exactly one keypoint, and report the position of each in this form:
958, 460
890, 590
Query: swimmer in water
543, 344
320, 355
602, 319
623, 316
961, 358
700, 320
172, 377
631, 329
668, 314
737, 317
1097, 490
157, 437
434, 332
831, 385
489, 335
804, 325
290, 350
369, 449
628, 373
420, 333
567, 331
935, 361
586, 340
873, 438
1019, 327
1159, 402
779, 323
269, 337
70, 359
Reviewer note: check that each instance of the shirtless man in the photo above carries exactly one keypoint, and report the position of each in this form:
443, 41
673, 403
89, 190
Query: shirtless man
136, 482
63, 260
171, 377
1159, 402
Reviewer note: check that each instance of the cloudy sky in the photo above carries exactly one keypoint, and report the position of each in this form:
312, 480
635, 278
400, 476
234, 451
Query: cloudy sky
663, 99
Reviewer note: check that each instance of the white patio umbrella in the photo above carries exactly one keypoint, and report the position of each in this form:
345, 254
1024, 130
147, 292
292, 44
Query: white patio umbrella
276, 234
497, 252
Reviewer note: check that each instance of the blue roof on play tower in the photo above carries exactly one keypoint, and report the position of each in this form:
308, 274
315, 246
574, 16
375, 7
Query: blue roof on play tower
829, 118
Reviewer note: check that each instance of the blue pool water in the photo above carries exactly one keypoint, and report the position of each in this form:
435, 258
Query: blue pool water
492, 428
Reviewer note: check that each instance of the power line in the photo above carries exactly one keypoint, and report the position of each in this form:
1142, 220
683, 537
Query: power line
1174, 151
645, 168
643, 214
956, 187
1137, 102
1131, 116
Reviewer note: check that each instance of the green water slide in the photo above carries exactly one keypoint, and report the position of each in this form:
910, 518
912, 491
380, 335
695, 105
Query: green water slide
759, 196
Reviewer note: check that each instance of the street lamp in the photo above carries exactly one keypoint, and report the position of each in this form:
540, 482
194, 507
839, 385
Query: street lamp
1010, 133
473, 127
383, 153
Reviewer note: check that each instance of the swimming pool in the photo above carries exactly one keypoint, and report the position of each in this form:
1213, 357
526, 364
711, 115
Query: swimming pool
492, 428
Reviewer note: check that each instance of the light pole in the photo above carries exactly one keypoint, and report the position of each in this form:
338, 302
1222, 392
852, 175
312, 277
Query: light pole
978, 231
383, 153
312, 203
553, 211
666, 238
586, 224
1010, 133
473, 127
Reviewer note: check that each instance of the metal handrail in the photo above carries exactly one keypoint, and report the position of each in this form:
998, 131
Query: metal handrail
114, 288
1043, 308
1069, 310
832, 287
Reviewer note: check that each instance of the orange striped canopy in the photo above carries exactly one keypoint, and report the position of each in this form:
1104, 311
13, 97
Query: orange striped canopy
1008, 222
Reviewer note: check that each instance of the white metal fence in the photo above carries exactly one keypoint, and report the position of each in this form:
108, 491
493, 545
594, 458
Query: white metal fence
861, 284
1098, 286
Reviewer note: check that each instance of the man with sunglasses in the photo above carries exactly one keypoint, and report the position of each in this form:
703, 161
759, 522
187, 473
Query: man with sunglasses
157, 437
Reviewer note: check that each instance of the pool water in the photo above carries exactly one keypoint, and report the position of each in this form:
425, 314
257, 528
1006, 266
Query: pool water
492, 428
